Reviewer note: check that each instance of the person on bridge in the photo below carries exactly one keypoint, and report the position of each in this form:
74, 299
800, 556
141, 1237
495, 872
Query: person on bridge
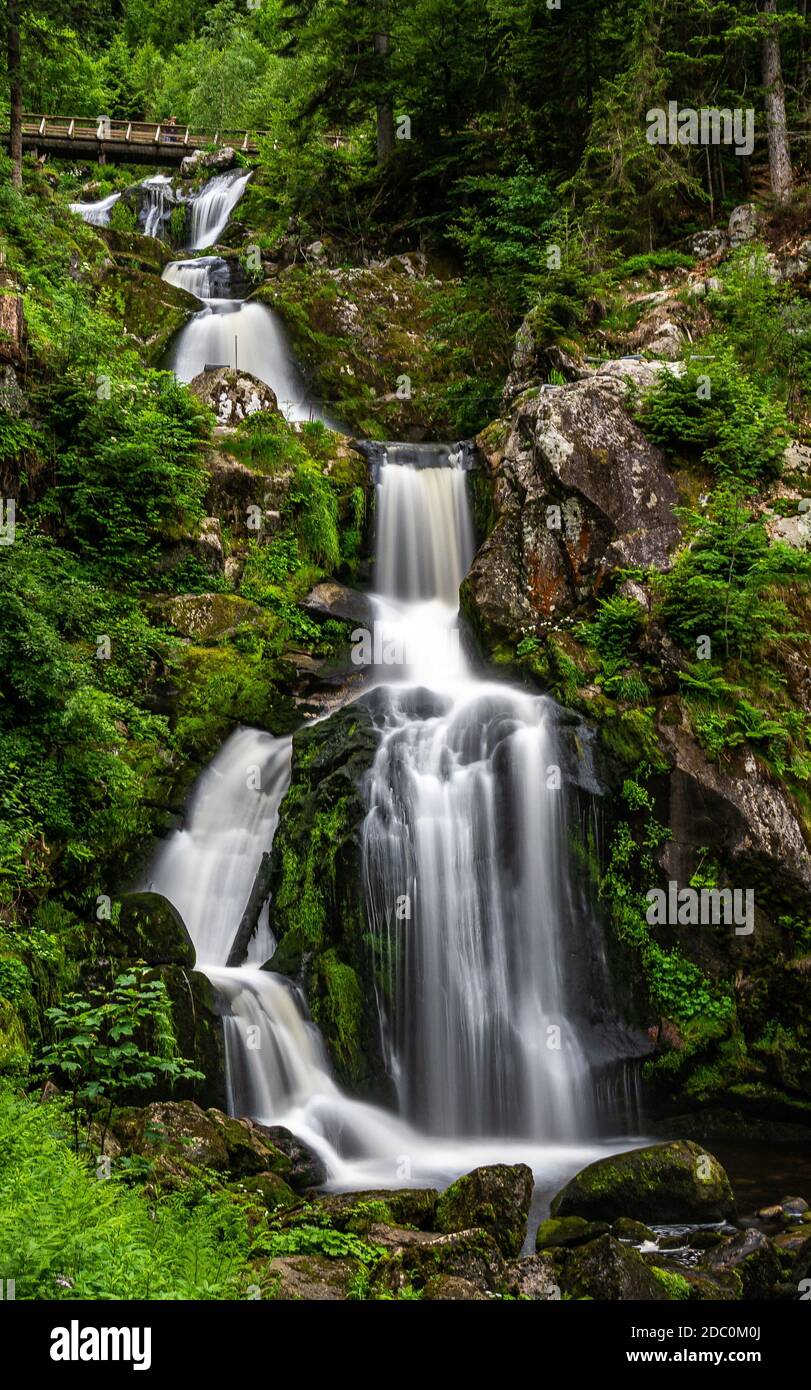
171, 128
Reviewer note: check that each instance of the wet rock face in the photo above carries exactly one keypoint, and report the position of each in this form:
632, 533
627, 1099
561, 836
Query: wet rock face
233, 396
317, 911
578, 489
739, 812
679, 1181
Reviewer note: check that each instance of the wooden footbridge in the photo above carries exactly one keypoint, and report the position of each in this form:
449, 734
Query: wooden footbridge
124, 142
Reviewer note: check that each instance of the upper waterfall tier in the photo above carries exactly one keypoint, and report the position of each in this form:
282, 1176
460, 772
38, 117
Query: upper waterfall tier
212, 207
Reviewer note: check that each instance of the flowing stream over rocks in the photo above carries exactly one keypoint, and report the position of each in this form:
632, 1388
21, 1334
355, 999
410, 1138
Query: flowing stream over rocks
495, 1005
229, 332
98, 213
494, 998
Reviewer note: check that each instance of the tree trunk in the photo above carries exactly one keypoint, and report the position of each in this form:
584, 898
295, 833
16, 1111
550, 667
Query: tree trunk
385, 113
780, 171
15, 92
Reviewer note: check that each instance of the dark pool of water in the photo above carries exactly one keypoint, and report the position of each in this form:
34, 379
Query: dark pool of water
762, 1172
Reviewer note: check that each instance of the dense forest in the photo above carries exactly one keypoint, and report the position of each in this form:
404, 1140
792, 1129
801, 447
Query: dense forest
550, 264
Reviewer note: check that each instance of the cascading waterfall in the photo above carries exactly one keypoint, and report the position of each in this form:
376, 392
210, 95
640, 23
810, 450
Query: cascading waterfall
157, 201
211, 208
202, 277
276, 1064
493, 1003
98, 213
232, 333
493, 997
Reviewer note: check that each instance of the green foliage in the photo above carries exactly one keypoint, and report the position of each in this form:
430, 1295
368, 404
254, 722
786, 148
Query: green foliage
725, 581
76, 750
68, 1233
713, 411
677, 987
767, 324
318, 1240
614, 629
110, 1041
129, 472
123, 219
506, 229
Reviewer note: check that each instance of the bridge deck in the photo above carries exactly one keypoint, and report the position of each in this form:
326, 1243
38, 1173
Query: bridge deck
135, 142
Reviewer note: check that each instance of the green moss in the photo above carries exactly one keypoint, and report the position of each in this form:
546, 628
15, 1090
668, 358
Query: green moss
338, 1009
676, 1285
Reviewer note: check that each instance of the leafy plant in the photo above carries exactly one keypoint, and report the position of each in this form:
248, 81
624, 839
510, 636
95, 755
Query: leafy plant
100, 1046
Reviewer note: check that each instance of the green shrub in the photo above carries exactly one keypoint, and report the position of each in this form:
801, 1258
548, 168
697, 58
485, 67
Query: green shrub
67, 1232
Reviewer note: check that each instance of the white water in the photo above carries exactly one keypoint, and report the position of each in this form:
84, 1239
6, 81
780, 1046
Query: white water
212, 207
486, 959
97, 214
157, 204
250, 337
196, 276
490, 1004
494, 1004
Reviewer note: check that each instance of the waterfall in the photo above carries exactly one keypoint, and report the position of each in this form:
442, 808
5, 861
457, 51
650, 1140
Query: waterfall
212, 207
156, 203
492, 1004
232, 333
493, 992
97, 214
197, 277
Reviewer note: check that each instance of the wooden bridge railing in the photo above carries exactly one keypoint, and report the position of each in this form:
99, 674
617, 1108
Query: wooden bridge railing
157, 133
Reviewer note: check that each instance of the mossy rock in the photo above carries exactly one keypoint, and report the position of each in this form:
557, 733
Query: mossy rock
447, 1288
306, 1169
624, 1228
152, 310
177, 1135
208, 618
249, 1149
317, 910
358, 1211
471, 1255
678, 1181
149, 928
752, 1256
309, 1278
567, 1231
607, 1271
495, 1198
268, 1189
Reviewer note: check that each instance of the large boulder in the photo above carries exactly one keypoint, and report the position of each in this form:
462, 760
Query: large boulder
249, 1147
495, 1198
470, 1255
176, 1135
359, 1211
233, 395
577, 490
753, 1257
610, 1272
216, 160
563, 1231
332, 600
679, 1181
302, 1168
149, 928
